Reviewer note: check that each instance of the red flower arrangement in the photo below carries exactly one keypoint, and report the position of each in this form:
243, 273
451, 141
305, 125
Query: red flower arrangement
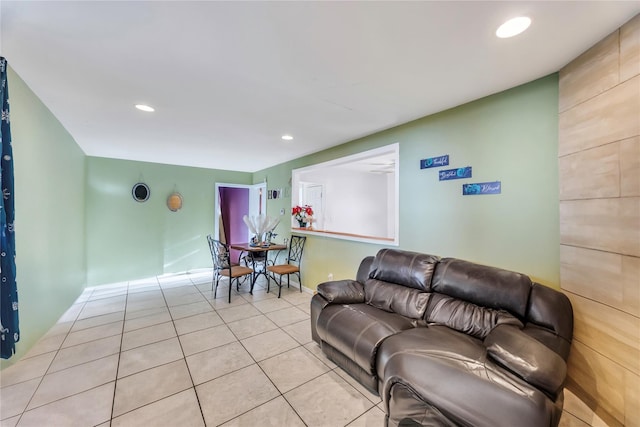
302, 213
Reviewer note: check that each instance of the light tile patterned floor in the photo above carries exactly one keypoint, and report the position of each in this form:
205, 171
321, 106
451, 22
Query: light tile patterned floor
164, 352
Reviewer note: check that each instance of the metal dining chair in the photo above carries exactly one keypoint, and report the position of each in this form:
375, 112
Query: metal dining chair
222, 266
292, 265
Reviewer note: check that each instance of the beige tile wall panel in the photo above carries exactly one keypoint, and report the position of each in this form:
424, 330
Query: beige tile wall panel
608, 117
600, 226
575, 406
630, 167
632, 400
630, 49
602, 276
593, 173
592, 73
570, 420
611, 225
631, 280
598, 382
611, 332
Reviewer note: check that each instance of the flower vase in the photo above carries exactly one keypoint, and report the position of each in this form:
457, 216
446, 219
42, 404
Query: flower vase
302, 224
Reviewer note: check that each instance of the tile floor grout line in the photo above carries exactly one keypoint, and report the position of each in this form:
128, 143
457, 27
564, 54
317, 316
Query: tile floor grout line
262, 404
146, 327
82, 363
147, 404
318, 376
261, 369
92, 327
35, 391
94, 317
346, 382
63, 398
306, 382
292, 407
152, 367
225, 374
50, 363
276, 355
115, 384
257, 363
33, 378
184, 356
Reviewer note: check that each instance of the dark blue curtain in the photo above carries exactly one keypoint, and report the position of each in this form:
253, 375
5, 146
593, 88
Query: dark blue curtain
9, 293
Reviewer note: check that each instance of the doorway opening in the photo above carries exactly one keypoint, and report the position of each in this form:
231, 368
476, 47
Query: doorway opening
232, 203
311, 194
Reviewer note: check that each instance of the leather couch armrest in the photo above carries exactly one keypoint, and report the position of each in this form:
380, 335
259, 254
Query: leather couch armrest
342, 291
526, 357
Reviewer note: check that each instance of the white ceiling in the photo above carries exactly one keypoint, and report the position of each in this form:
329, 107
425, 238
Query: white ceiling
227, 79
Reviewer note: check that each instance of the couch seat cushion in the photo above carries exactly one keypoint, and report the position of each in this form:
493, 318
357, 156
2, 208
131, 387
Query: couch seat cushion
356, 330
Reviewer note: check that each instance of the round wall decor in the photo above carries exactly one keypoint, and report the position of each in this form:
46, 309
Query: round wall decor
140, 192
174, 201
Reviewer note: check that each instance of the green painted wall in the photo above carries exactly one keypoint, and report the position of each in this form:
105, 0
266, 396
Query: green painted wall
129, 240
50, 219
511, 137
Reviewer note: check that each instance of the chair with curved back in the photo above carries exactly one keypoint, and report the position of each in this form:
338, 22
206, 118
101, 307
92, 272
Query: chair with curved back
292, 266
222, 266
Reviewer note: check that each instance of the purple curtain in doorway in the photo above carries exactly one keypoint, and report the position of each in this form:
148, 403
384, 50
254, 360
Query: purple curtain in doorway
234, 204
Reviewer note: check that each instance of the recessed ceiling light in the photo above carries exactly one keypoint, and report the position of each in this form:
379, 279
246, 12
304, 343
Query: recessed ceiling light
513, 27
287, 137
146, 108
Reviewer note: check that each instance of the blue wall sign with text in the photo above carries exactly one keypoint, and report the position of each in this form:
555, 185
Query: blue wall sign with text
459, 173
434, 162
482, 188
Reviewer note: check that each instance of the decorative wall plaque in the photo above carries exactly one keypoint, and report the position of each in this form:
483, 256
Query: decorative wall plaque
459, 173
434, 162
480, 188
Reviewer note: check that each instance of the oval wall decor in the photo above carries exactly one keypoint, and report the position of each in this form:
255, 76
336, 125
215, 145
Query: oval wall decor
140, 192
174, 201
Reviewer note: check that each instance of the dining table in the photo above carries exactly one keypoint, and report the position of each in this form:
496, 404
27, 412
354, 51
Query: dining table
257, 255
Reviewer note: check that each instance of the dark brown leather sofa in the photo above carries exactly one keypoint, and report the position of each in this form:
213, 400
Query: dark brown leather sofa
447, 342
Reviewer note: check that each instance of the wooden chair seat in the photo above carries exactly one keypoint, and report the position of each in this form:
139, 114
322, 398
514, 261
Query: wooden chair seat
283, 269
236, 271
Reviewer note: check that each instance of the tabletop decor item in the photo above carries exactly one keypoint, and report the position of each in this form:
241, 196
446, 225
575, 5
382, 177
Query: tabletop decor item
260, 226
302, 214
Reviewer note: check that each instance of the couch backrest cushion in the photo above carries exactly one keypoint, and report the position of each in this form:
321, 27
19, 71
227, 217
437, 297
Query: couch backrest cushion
363, 270
405, 268
390, 297
466, 317
551, 309
483, 285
